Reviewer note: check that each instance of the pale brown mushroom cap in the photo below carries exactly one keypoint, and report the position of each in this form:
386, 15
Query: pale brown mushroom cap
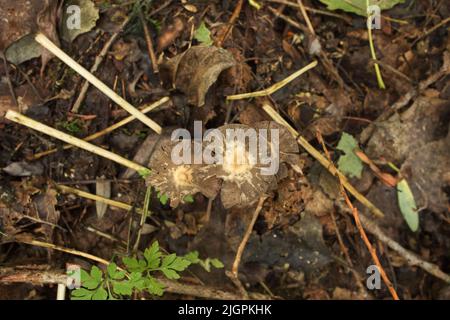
178, 181
244, 184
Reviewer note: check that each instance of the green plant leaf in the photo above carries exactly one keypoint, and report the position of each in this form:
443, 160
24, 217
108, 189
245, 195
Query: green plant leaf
112, 267
144, 173
408, 205
137, 281
87, 281
167, 260
153, 256
170, 274
349, 163
81, 294
192, 257
189, 199
154, 287
164, 198
100, 294
97, 274
124, 288
180, 264
359, 6
203, 35
172, 264
216, 263
134, 264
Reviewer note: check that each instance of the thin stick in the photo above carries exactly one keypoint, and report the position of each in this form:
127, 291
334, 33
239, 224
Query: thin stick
170, 286
344, 249
312, 10
234, 16
363, 234
242, 245
8, 79
34, 276
90, 196
149, 42
411, 258
277, 86
113, 203
50, 46
33, 124
145, 213
372, 251
244, 241
323, 161
305, 16
428, 32
104, 131
98, 61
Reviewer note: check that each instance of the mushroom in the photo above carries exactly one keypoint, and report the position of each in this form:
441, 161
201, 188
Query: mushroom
246, 173
178, 180
245, 159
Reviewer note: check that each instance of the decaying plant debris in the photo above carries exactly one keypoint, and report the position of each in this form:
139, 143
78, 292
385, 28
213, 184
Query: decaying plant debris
304, 68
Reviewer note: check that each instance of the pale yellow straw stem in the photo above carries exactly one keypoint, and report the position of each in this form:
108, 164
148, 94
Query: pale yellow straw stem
50, 46
33, 124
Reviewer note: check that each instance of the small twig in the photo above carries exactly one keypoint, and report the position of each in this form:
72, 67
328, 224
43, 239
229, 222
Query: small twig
323, 161
149, 42
145, 213
411, 258
34, 276
430, 31
277, 86
8, 79
234, 16
237, 260
50, 46
327, 63
170, 286
349, 266
113, 203
305, 16
90, 196
33, 124
393, 70
313, 10
406, 98
110, 129
363, 234
98, 61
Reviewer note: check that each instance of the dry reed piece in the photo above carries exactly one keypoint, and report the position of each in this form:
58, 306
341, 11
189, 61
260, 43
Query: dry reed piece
50, 46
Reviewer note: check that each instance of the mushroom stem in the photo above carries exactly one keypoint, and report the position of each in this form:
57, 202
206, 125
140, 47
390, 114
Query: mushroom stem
33, 124
50, 46
323, 160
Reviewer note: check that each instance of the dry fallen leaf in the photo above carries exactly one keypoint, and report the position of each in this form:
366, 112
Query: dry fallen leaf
19, 20
196, 70
89, 15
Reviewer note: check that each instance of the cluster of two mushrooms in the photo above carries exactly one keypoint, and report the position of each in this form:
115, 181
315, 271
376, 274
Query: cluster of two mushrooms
238, 161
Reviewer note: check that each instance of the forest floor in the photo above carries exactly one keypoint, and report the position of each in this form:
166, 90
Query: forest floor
303, 239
